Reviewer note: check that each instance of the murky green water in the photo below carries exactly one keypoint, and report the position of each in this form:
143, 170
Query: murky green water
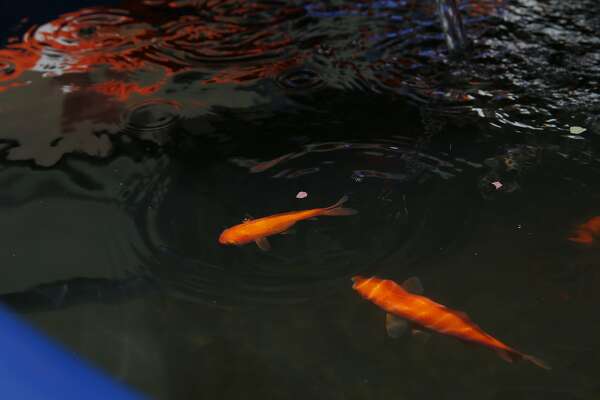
133, 133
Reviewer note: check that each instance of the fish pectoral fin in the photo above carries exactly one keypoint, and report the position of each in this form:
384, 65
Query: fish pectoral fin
289, 232
395, 326
263, 244
413, 285
421, 335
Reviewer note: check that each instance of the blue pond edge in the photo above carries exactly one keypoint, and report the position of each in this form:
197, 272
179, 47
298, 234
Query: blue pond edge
34, 367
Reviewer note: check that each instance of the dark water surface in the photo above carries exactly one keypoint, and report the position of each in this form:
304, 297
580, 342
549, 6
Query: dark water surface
132, 133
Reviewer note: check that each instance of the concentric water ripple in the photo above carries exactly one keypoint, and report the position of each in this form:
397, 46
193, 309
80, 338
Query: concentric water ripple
153, 120
185, 220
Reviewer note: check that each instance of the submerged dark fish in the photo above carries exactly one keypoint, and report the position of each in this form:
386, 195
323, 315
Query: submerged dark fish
76, 291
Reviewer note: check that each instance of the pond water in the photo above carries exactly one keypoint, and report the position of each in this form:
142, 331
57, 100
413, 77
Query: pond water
134, 132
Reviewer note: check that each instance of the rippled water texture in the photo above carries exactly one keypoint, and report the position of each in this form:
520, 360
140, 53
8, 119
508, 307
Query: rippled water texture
134, 132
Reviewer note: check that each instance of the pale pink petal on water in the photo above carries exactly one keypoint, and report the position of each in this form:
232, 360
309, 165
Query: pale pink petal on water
497, 185
301, 195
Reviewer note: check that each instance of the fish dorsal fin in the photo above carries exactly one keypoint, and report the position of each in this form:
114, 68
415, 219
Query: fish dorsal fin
413, 285
466, 318
463, 314
395, 326
263, 244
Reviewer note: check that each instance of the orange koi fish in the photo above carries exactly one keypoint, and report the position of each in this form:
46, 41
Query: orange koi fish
257, 230
402, 306
586, 233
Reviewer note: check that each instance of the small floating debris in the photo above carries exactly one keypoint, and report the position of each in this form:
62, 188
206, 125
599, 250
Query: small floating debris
574, 137
577, 130
497, 184
302, 195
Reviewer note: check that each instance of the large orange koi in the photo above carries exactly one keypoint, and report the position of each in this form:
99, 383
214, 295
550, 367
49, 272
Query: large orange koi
257, 230
403, 306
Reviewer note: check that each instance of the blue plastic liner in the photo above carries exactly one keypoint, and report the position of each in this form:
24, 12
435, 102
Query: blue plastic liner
33, 367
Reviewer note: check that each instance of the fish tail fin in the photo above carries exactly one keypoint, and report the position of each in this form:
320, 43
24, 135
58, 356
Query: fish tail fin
515, 356
338, 210
536, 361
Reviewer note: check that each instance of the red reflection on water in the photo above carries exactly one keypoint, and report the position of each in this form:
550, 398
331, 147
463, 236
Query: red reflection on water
112, 57
14, 61
122, 90
239, 75
142, 37
484, 8
74, 43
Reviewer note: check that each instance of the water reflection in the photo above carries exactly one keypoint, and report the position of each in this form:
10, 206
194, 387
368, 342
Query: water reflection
453, 26
199, 54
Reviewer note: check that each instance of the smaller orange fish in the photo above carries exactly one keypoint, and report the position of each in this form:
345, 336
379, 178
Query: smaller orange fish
587, 233
402, 306
257, 230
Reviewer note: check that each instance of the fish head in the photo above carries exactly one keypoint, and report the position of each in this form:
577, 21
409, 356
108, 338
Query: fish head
593, 225
357, 280
227, 237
